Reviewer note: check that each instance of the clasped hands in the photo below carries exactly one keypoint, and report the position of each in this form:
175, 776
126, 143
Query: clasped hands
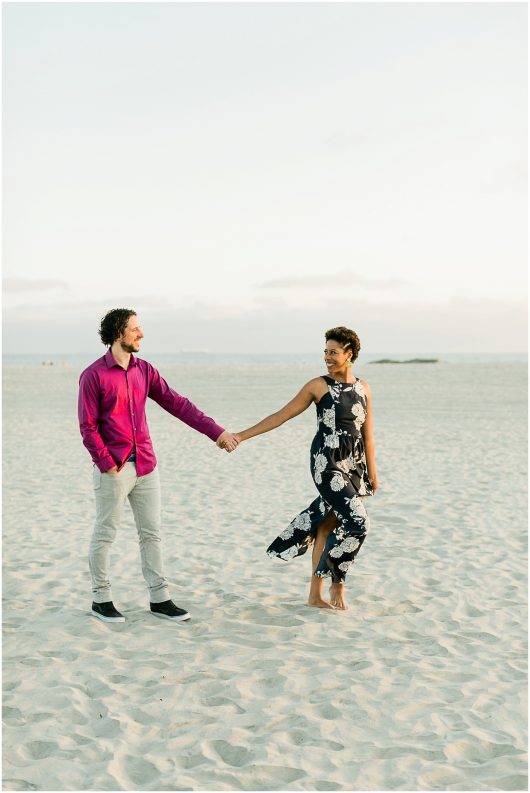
228, 441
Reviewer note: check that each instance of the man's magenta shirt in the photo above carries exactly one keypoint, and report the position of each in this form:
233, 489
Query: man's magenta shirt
111, 411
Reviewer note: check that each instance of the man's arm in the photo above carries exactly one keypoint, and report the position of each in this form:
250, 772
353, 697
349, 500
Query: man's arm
181, 407
88, 412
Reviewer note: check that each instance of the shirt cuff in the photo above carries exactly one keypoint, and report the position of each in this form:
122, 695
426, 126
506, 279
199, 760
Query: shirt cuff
215, 432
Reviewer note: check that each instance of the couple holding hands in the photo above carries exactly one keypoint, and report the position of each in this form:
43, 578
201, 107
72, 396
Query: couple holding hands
111, 409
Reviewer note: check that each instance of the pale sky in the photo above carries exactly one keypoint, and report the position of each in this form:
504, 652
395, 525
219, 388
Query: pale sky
247, 175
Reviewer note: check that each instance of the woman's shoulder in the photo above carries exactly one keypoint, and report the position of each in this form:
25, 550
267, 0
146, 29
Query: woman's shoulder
315, 381
317, 386
363, 386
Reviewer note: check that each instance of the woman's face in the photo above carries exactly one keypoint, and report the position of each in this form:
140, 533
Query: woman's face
335, 356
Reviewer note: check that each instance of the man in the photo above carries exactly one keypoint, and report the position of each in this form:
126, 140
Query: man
112, 396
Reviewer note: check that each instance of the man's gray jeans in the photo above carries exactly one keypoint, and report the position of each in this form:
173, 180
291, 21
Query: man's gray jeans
143, 492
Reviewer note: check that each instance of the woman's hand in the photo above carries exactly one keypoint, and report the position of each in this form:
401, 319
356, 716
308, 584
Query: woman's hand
373, 479
227, 441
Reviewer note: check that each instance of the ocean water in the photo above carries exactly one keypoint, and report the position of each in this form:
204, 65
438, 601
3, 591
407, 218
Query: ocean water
81, 360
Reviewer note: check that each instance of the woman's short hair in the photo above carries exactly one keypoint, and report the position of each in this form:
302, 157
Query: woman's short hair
347, 339
113, 324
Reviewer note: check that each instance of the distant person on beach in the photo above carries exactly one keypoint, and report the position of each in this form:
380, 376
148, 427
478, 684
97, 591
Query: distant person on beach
342, 466
112, 396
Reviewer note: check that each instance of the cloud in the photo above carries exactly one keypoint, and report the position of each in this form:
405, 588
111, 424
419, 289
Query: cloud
86, 307
380, 134
342, 279
493, 326
13, 285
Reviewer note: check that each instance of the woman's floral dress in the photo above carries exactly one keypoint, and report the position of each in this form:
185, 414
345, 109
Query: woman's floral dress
338, 467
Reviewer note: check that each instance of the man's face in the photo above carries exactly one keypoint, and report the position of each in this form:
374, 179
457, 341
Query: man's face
132, 335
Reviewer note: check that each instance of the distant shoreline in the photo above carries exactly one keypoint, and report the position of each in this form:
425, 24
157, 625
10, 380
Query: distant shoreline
411, 360
190, 358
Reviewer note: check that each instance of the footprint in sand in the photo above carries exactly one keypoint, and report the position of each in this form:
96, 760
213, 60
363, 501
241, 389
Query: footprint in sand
12, 715
406, 607
62, 657
38, 750
42, 716
477, 751
18, 784
511, 782
81, 740
303, 739
215, 702
140, 716
328, 711
140, 771
235, 756
193, 760
358, 666
106, 728
272, 777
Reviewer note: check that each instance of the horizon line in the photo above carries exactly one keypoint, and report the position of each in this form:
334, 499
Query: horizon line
294, 352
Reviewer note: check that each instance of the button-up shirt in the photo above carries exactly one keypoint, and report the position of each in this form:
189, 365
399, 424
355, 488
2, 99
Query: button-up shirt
111, 411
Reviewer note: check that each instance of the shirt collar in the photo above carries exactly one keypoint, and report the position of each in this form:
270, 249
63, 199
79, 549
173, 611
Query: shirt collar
111, 361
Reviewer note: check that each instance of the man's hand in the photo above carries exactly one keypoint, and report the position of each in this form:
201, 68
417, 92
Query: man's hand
227, 441
112, 470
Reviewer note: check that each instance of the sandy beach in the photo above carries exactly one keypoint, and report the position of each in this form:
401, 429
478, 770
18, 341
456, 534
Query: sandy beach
420, 685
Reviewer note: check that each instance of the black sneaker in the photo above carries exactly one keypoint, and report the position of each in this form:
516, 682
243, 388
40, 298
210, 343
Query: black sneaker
107, 612
168, 611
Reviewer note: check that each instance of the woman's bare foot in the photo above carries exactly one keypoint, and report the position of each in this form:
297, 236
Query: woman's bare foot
336, 597
319, 603
314, 598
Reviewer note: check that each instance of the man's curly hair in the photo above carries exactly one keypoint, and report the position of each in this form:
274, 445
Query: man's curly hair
113, 324
347, 339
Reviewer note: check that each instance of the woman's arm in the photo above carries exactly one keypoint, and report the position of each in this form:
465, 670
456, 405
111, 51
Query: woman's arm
367, 430
297, 405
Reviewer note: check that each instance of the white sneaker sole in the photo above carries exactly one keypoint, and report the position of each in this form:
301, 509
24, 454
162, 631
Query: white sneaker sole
107, 619
181, 618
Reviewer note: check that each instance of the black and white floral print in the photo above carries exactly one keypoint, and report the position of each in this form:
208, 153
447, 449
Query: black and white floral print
338, 467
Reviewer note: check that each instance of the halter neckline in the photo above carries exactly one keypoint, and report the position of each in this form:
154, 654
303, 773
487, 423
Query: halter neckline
340, 381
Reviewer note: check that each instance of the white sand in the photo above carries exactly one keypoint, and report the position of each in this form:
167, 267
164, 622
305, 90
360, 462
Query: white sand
421, 685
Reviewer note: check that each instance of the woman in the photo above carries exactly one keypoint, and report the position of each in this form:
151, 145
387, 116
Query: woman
342, 466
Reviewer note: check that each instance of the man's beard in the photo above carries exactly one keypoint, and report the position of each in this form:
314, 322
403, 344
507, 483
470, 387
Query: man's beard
129, 347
